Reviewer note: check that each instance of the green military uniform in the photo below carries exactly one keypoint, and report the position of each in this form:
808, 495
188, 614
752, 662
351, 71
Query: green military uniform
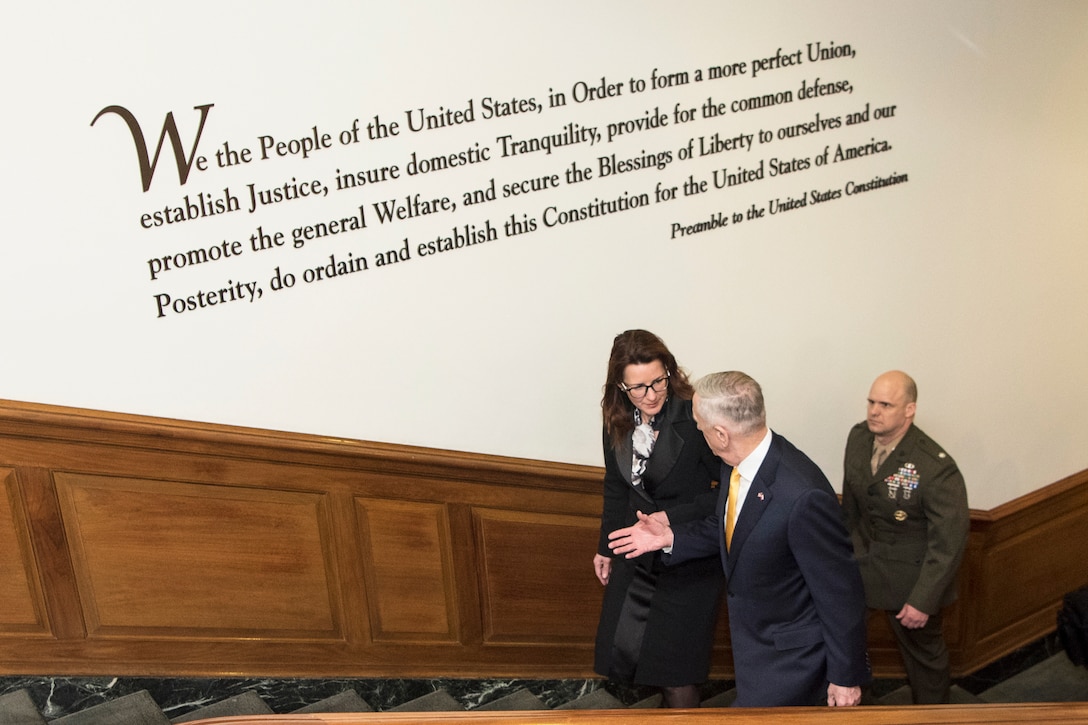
909, 522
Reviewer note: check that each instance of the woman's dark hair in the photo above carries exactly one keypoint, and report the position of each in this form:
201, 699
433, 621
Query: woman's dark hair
635, 347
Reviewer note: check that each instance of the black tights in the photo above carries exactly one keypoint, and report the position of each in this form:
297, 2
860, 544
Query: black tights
682, 696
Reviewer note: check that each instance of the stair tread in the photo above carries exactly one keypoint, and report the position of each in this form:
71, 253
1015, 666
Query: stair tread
346, 701
16, 708
246, 703
137, 708
437, 701
519, 700
597, 700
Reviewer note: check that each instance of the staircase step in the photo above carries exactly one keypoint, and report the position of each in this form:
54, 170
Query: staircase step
900, 696
957, 696
247, 703
960, 696
1055, 679
139, 708
437, 701
346, 701
518, 700
648, 703
16, 708
722, 699
597, 700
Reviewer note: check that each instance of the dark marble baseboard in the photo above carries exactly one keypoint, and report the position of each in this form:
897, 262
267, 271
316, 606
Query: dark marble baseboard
59, 696
1012, 664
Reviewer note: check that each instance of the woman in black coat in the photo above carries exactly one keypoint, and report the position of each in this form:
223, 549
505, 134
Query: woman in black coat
657, 623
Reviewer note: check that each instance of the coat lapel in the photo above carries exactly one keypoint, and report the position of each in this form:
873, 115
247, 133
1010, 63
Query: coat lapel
666, 451
622, 452
623, 462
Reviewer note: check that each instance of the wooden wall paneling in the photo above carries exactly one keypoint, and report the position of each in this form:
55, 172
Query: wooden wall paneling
721, 658
142, 546
1040, 506
466, 566
161, 557
1026, 554
1023, 578
345, 555
963, 630
22, 607
409, 571
960, 622
54, 565
1042, 554
536, 576
69, 437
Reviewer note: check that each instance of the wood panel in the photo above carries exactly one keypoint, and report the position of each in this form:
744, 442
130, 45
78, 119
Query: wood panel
532, 585
143, 546
1035, 560
21, 604
409, 571
238, 562
51, 556
1024, 556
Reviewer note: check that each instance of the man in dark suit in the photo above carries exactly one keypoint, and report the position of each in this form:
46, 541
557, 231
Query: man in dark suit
906, 508
797, 614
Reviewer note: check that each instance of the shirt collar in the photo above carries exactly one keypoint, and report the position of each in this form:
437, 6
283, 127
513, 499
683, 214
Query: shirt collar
891, 446
749, 467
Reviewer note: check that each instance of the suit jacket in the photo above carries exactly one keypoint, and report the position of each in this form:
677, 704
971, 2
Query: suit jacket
797, 614
909, 522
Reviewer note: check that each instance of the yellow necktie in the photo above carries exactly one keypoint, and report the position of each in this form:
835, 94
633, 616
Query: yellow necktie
731, 510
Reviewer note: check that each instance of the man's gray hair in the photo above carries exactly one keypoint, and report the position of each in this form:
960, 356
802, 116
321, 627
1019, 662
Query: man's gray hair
732, 398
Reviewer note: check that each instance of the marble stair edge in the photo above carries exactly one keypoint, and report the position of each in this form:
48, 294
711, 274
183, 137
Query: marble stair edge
139, 708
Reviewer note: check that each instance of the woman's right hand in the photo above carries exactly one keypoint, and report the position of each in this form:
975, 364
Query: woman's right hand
602, 567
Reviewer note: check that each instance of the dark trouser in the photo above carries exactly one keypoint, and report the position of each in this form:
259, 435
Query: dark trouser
926, 658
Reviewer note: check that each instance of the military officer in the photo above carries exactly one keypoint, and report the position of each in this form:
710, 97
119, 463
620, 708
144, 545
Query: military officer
906, 508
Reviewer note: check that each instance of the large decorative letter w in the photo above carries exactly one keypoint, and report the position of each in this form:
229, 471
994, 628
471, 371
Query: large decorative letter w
169, 128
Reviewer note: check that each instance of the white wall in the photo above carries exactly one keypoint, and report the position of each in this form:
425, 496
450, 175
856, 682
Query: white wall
970, 275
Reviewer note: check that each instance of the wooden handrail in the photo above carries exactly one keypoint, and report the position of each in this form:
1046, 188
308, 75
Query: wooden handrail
1074, 712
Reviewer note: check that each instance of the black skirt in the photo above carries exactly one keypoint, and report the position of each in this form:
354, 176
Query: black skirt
657, 622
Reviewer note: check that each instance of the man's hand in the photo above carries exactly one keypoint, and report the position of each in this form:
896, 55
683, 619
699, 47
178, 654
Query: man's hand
649, 534
602, 567
661, 516
839, 696
912, 618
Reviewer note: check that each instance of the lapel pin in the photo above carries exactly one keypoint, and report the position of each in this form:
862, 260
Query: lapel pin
760, 494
